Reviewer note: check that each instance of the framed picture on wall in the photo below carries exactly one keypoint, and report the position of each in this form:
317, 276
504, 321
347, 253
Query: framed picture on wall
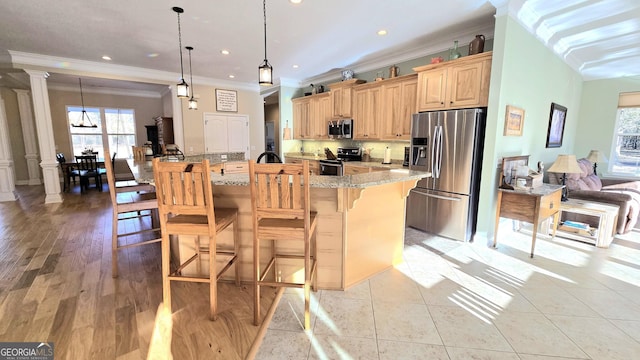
557, 118
513, 121
226, 100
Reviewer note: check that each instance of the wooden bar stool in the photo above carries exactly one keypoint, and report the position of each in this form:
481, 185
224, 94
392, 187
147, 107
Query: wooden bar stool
281, 211
131, 200
185, 204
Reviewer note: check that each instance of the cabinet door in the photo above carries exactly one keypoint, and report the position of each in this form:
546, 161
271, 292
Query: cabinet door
324, 115
390, 123
341, 101
374, 116
215, 130
408, 97
301, 114
238, 134
359, 113
465, 83
432, 89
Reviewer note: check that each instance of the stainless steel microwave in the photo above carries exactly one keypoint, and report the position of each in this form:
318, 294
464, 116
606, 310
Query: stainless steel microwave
340, 129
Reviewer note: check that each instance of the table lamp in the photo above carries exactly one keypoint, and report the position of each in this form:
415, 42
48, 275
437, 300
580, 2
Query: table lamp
596, 156
565, 164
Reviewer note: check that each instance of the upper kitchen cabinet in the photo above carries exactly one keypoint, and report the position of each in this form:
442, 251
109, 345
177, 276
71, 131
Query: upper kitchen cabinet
455, 84
342, 96
399, 99
367, 112
302, 118
310, 116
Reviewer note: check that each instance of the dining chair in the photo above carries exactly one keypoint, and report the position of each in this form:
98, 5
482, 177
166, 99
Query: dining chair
68, 172
186, 207
88, 168
281, 210
138, 152
131, 200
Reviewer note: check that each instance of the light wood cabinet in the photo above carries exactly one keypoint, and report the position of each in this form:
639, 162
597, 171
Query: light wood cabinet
310, 116
302, 118
314, 165
367, 112
454, 84
342, 97
399, 99
355, 169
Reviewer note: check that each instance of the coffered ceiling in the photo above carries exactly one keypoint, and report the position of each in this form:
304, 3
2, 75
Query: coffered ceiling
601, 39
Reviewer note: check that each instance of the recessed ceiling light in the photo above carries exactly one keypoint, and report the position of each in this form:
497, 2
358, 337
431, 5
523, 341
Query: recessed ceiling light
295, 1
382, 32
152, 55
295, 66
106, 57
232, 76
224, 52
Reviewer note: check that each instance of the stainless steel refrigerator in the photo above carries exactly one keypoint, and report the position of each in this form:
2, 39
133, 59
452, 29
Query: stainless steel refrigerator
449, 144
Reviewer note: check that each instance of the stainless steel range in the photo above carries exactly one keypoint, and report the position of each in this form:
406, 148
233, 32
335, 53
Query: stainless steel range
334, 167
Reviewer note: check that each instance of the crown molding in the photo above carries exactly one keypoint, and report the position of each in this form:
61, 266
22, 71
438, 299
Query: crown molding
105, 90
111, 71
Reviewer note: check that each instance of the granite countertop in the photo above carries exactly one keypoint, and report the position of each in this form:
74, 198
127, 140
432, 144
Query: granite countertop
143, 172
395, 164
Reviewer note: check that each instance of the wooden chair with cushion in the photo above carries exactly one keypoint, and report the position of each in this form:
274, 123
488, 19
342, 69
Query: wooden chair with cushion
67, 171
130, 201
88, 168
186, 207
281, 211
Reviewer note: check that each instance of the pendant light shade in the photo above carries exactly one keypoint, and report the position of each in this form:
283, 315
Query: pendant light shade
193, 103
265, 71
182, 87
85, 114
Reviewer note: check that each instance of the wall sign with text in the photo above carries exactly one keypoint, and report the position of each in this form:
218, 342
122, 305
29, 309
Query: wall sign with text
226, 100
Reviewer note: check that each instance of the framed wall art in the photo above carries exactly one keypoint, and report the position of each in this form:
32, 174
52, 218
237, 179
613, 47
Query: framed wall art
226, 100
557, 118
513, 121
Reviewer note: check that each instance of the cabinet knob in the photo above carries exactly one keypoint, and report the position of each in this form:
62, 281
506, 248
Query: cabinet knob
451, 102
441, 102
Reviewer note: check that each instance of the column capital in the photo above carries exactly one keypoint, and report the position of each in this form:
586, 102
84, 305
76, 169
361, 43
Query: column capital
41, 73
21, 91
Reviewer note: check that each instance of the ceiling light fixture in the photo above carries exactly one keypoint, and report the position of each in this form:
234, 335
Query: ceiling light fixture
265, 71
106, 57
84, 113
382, 32
224, 52
183, 88
193, 103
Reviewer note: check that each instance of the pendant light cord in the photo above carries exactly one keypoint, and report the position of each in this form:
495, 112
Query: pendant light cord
190, 72
81, 96
180, 46
264, 10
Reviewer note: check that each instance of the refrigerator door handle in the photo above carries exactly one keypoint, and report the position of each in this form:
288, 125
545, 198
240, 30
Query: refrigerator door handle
433, 152
439, 149
441, 197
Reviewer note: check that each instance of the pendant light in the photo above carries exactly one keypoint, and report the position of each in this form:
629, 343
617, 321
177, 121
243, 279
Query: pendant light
265, 71
193, 103
183, 88
84, 115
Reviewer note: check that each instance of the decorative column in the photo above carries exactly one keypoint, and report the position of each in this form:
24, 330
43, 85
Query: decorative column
29, 136
7, 177
44, 128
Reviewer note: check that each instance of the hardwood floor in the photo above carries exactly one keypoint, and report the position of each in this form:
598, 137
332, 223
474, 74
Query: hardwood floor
56, 285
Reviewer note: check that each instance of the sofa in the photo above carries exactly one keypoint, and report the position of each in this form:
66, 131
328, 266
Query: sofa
589, 187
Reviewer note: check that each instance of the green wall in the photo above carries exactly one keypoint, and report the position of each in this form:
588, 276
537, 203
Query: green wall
598, 115
527, 75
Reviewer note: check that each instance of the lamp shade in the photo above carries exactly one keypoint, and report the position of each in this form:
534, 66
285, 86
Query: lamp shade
565, 164
596, 156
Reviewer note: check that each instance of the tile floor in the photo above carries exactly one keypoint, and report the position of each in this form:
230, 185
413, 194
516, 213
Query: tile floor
454, 300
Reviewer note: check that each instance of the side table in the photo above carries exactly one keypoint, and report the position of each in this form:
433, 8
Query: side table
602, 217
532, 205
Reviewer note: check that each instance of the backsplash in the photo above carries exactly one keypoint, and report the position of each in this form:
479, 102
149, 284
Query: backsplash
377, 147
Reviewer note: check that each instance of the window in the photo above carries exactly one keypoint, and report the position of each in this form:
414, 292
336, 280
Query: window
625, 152
118, 130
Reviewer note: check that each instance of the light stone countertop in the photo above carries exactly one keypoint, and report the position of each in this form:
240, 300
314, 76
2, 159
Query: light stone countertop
143, 172
395, 164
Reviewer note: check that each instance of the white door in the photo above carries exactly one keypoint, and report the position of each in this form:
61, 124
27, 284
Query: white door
226, 133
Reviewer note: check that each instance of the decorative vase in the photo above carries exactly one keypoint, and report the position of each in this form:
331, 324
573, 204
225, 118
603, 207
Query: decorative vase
454, 53
476, 46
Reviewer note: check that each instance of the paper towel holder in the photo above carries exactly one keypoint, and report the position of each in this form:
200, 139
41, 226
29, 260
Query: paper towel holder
387, 156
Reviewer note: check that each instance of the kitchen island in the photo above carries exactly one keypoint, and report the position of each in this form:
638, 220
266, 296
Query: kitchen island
361, 222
